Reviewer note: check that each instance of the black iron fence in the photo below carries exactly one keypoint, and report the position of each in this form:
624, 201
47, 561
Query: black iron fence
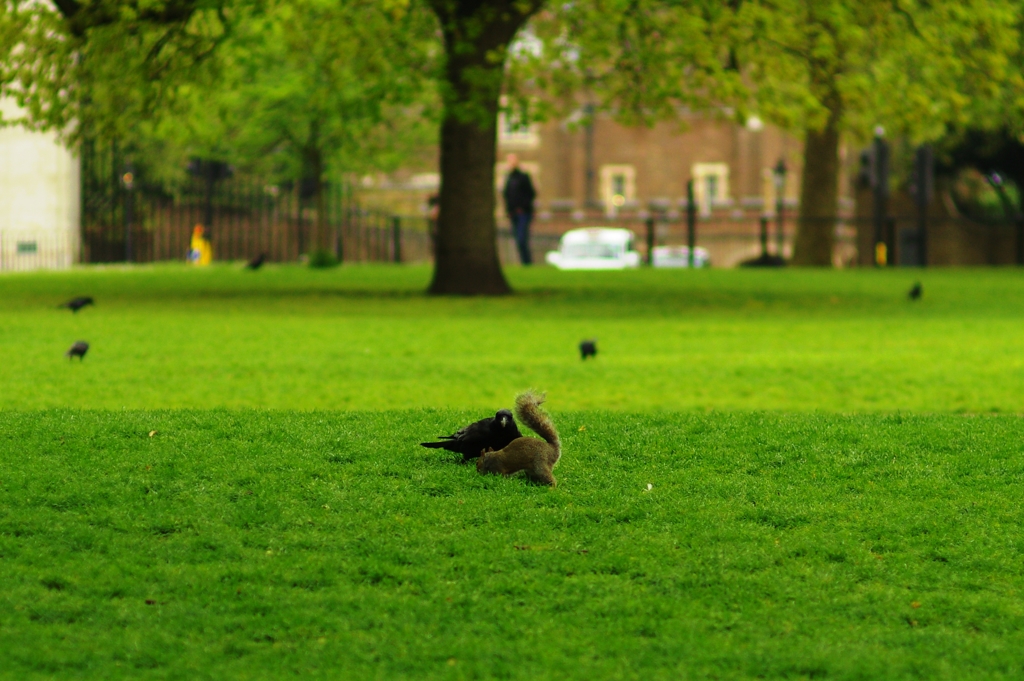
243, 219
906, 240
124, 218
36, 249
730, 240
127, 218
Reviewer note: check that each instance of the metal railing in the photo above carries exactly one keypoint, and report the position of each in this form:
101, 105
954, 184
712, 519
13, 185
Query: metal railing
242, 220
36, 249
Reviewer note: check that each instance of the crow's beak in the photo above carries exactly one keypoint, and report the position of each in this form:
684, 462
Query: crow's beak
504, 421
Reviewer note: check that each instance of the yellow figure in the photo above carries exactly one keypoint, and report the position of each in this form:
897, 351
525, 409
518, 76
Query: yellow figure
200, 251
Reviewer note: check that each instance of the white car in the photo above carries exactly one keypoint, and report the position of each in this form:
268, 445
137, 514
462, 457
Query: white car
595, 248
679, 256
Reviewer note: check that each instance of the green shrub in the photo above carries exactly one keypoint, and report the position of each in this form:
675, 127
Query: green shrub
321, 259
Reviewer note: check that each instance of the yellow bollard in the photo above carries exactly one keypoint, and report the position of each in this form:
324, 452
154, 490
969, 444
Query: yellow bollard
881, 254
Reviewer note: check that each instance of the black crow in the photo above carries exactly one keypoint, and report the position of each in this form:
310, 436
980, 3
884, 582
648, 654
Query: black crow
490, 433
256, 262
588, 348
915, 291
77, 350
76, 304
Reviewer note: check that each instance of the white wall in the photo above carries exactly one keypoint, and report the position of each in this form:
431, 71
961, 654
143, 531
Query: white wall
40, 200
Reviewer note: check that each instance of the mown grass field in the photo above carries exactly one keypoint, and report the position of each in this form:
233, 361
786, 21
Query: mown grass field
366, 338
766, 475
325, 545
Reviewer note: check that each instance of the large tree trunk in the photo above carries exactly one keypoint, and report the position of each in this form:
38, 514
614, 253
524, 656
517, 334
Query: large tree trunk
466, 252
819, 196
477, 33
320, 239
313, 172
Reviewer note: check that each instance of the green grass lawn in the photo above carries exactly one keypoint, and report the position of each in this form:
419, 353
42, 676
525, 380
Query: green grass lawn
777, 475
366, 338
328, 545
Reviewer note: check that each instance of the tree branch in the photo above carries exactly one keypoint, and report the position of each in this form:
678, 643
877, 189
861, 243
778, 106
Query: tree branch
81, 18
906, 15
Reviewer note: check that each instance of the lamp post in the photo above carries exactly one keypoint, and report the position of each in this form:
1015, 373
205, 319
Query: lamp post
588, 146
996, 180
128, 180
691, 223
884, 241
923, 162
779, 177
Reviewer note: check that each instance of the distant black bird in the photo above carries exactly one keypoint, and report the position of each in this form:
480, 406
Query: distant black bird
256, 262
588, 348
77, 350
76, 304
490, 433
915, 291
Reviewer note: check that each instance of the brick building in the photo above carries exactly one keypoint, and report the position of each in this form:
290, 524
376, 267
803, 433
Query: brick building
615, 170
611, 174
614, 175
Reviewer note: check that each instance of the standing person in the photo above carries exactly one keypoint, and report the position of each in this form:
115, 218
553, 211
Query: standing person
519, 195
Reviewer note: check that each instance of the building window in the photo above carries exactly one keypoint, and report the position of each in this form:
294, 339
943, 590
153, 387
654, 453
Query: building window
513, 133
618, 187
711, 185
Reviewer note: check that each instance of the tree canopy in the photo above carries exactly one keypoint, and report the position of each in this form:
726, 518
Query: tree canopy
325, 81
826, 70
311, 88
835, 68
104, 66
241, 77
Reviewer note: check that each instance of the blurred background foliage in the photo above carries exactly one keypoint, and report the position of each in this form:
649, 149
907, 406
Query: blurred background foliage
310, 89
289, 89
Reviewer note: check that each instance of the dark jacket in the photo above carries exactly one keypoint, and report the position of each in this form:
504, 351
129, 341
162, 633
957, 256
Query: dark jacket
519, 192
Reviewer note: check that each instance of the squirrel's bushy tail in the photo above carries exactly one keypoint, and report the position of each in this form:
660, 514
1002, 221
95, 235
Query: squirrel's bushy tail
528, 411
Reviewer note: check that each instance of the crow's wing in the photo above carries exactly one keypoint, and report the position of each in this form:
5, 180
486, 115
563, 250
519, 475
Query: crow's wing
474, 438
468, 441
